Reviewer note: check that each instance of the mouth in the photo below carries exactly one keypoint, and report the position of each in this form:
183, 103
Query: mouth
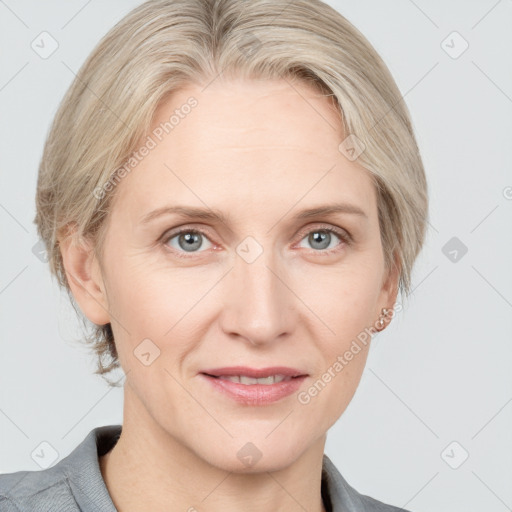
253, 386
249, 381
248, 375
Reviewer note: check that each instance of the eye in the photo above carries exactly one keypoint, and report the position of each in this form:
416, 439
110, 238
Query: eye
187, 240
323, 239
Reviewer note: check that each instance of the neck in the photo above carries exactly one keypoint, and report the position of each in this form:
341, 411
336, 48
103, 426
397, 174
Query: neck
149, 469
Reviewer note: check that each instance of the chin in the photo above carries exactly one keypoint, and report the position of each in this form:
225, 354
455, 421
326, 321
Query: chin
261, 455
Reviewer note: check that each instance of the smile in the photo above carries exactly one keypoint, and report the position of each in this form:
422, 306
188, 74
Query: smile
248, 381
254, 391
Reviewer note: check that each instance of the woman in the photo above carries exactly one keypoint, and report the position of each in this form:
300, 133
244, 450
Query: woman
204, 150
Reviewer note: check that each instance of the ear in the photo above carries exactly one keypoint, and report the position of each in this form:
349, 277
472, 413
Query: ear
84, 276
389, 290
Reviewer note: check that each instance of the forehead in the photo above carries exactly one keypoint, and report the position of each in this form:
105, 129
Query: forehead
246, 140
245, 114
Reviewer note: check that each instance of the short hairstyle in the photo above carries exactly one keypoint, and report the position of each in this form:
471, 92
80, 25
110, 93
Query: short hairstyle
163, 45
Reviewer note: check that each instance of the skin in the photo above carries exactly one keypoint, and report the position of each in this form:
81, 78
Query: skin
259, 151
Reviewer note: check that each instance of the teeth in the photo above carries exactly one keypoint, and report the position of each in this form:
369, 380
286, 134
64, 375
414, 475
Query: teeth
242, 379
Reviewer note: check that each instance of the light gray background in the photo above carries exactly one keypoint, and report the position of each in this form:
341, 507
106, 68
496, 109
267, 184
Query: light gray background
440, 373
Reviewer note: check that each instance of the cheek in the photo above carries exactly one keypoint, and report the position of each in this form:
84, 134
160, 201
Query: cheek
163, 305
344, 358
344, 300
144, 291
332, 389
343, 297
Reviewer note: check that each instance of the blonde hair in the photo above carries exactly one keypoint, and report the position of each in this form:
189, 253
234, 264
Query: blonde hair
163, 45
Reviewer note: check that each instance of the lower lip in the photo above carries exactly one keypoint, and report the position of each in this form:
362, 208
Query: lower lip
255, 394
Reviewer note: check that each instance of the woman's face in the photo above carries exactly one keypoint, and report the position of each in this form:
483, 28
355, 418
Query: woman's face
268, 286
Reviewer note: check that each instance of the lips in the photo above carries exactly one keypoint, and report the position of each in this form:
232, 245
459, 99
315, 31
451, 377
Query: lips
254, 373
243, 379
255, 386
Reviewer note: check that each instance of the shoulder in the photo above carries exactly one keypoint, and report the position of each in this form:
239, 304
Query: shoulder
373, 505
73, 484
6, 505
35, 490
343, 497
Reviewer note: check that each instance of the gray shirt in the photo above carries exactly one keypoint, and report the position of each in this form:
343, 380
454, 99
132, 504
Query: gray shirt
75, 483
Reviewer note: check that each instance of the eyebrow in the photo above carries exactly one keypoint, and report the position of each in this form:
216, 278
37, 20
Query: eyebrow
330, 209
185, 211
212, 214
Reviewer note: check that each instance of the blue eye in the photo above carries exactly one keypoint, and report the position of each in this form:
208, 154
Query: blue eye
187, 240
320, 239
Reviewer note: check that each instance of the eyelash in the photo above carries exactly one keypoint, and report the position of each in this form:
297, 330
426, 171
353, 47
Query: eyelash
345, 237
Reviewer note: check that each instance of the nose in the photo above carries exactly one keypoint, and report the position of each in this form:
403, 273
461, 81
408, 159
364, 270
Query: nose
258, 305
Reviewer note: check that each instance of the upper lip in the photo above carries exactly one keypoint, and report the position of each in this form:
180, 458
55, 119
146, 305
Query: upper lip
255, 372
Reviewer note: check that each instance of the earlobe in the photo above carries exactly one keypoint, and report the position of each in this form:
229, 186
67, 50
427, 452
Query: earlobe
84, 276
